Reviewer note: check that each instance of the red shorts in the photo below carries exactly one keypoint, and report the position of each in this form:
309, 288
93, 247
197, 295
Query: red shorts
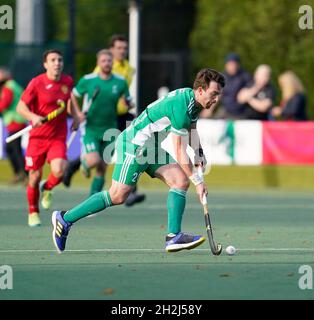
40, 150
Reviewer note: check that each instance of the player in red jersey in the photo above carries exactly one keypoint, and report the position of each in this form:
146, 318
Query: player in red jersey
47, 141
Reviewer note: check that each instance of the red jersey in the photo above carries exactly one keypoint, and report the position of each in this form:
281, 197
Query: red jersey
41, 96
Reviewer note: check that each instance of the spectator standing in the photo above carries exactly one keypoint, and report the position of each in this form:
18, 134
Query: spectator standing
259, 95
236, 79
293, 103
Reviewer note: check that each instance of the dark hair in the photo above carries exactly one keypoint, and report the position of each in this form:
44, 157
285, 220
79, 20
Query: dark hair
117, 37
46, 53
205, 76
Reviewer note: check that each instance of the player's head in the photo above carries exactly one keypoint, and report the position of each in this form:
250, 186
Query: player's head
208, 85
104, 61
119, 47
5, 75
53, 62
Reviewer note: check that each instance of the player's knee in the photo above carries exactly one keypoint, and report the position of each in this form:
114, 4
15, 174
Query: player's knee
117, 197
180, 182
34, 178
183, 184
58, 173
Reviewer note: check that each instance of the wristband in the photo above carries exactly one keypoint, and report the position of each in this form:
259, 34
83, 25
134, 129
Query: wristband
196, 179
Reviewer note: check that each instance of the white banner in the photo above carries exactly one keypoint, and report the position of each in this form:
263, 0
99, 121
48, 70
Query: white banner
227, 142
248, 142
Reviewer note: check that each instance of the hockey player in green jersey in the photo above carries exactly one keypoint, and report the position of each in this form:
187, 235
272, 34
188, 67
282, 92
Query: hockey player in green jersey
100, 113
176, 113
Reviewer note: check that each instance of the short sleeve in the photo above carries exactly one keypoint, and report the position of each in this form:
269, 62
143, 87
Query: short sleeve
180, 122
6, 98
81, 88
126, 92
29, 94
71, 83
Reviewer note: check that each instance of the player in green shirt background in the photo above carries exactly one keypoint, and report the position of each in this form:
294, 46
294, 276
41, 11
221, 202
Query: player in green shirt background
177, 112
100, 116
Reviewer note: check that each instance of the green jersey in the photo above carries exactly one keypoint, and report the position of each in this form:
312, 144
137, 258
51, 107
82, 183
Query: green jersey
139, 146
102, 114
175, 112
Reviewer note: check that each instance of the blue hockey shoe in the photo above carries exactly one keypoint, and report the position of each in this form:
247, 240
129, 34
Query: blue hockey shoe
60, 231
183, 240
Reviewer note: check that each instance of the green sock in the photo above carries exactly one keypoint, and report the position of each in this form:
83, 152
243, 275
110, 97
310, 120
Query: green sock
97, 202
176, 205
84, 165
97, 185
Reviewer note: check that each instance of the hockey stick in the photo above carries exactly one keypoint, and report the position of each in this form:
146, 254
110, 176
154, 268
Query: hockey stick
52, 115
73, 133
216, 249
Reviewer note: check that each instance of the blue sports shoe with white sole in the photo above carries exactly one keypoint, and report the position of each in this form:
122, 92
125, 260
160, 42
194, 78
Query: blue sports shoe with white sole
183, 240
60, 231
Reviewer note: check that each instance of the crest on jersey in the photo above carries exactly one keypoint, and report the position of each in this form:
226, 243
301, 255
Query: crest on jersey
115, 89
65, 89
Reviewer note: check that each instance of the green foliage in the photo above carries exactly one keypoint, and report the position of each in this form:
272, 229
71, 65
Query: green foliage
260, 31
95, 22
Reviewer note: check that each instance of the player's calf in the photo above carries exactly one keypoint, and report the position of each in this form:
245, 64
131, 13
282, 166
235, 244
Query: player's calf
46, 195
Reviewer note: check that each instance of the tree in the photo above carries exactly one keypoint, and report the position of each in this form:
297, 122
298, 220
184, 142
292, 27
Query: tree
260, 32
95, 22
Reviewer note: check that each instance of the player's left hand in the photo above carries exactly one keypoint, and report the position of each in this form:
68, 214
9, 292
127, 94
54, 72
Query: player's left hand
199, 158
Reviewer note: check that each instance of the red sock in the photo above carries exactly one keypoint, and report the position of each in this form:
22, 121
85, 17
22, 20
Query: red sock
32, 197
52, 182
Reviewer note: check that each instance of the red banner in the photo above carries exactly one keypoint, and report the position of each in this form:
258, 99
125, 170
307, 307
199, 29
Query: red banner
288, 143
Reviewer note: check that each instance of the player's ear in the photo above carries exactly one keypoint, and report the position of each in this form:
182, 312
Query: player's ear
200, 90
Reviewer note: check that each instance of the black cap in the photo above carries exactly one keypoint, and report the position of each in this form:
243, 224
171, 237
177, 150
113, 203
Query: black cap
232, 57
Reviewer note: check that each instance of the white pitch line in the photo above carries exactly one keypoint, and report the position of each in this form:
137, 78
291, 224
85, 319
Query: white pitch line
242, 206
155, 250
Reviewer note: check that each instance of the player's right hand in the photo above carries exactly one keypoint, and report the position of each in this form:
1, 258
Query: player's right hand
37, 121
201, 189
81, 116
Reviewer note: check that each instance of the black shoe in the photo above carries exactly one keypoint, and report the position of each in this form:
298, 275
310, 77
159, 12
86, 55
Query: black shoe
73, 166
134, 198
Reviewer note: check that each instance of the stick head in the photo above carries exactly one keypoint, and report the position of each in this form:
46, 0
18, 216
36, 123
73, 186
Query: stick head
218, 250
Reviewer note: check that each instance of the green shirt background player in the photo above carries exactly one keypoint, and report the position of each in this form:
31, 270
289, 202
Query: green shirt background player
100, 116
178, 113
10, 94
